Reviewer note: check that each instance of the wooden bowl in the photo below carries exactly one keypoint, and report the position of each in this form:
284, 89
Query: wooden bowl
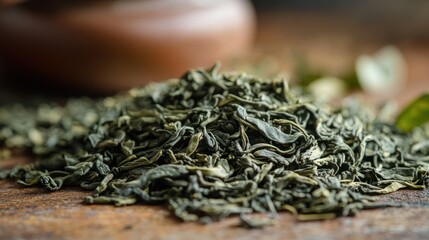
107, 46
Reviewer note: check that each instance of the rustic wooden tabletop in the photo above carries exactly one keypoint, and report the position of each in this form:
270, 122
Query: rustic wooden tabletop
32, 213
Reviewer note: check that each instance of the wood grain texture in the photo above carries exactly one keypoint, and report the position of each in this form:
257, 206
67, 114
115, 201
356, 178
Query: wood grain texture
33, 213
29, 213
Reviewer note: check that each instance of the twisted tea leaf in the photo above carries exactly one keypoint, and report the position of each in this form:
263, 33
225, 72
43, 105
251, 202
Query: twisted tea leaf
212, 145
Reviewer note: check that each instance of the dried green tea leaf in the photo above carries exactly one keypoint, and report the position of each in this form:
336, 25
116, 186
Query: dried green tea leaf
212, 145
255, 222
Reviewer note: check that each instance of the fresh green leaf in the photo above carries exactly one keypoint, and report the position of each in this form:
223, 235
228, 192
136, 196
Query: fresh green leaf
415, 114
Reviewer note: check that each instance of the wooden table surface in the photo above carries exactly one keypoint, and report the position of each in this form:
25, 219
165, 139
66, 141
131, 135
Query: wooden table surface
32, 213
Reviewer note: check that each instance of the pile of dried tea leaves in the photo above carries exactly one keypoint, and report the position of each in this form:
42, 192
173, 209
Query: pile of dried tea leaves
212, 145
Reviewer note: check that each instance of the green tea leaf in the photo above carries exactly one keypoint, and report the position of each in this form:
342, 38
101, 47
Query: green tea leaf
415, 114
212, 145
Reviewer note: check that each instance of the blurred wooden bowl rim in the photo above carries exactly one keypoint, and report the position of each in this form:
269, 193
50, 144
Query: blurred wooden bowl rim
108, 46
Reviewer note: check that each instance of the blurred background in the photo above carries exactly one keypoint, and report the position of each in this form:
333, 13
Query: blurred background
100, 47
